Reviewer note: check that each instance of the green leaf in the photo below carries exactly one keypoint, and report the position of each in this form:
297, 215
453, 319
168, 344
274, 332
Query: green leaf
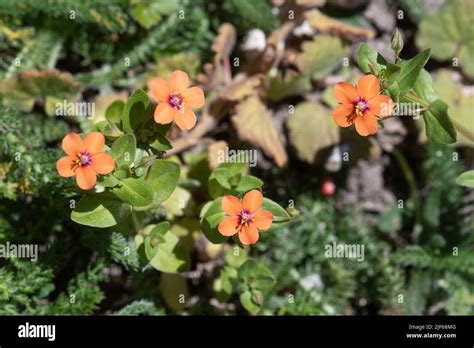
137, 110
439, 127
236, 256
123, 150
392, 72
247, 183
368, 57
163, 177
156, 234
424, 87
290, 84
172, 288
136, 192
161, 143
280, 215
149, 13
449, 33
164, 252
247, 301
390, 220
211, 216
321, 56
256, 275
114, 113
257, 13
461, 103
410, 70
225, 178
226, 283
394, 92
466, 179
100, 211
176, 204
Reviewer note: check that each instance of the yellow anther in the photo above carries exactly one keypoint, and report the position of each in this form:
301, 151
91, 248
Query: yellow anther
357, 110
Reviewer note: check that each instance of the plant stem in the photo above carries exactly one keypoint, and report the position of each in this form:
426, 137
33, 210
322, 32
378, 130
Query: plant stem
136, 224
410, 178
461, 129
415, 98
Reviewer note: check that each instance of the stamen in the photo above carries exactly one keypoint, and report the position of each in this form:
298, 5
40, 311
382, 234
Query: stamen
83, 159
361, 105
176, 100
245, 217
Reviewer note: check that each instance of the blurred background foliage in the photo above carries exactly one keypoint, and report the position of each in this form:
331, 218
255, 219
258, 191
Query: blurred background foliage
268, 68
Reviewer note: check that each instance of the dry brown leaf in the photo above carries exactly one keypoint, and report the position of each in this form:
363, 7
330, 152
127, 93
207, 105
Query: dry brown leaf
225, 41
311, 3
212, 153
254, 124
328, 25
242, 87
219, 72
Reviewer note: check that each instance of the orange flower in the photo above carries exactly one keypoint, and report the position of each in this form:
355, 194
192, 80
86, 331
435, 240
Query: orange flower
176, 100
84, 159
361, 105
245, 217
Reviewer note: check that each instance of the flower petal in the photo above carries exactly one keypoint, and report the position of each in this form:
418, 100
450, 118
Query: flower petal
164, 113
85, 177
344, 92
72, 144
231, 205
194, 98
64, 166
381, 105
248, 234
94, 142
262, 219
340, 114
368, 86
102, 163
159, 88
179, 81
229, 226
367, 124
186, 119
252, 200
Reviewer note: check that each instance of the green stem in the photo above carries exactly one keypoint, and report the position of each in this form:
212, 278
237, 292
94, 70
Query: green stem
461, 129
410, 178
136, 224
415, 98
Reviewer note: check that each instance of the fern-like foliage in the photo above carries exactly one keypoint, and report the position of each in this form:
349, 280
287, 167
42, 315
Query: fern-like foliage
109, 15
28, 167
174, 34
83, 294
141, 307
459, 261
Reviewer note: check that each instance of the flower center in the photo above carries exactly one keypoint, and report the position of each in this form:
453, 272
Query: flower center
361, 105
83, 159
245, 217
176, 100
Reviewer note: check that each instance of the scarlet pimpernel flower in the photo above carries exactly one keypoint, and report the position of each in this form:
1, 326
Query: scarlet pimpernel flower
245, 217
84, 159
176, 100
361, 105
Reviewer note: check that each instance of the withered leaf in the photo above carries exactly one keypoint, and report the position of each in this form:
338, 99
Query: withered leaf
254, 124
311, 128
327, 25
